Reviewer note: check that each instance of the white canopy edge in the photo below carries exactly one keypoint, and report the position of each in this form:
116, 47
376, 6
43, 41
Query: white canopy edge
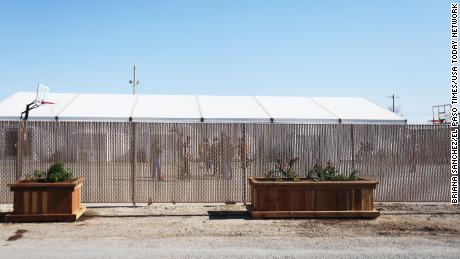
195, 109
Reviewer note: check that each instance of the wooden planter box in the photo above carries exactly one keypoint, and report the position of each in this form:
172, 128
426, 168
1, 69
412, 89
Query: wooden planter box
35, 201
309, 199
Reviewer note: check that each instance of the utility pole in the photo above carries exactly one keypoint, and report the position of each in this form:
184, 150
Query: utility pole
133, 82
393, 96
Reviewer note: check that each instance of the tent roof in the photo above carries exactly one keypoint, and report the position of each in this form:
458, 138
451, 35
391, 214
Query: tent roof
287, 109
110, 107
166, 107
234, 108
191, 108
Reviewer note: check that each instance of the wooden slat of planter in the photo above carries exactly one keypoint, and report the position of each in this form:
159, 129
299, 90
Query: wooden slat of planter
309, 200
45, 217
329, 200
357, 199
259, 198
44, 202
363, 183
340, 199
321, 200
315, 214
57, 202
348, 199
33, 202
33, 185
365, 199
302, 200
272, 199
253, 196
284, 199
76, 198
26, 199
371, 199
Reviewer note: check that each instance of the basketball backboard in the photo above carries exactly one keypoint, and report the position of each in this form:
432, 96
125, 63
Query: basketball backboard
42, 92
441, 114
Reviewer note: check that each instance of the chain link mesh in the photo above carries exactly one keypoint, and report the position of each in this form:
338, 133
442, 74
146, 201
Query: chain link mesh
210, 162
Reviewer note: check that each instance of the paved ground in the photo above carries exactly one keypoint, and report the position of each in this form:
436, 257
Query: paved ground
405, 230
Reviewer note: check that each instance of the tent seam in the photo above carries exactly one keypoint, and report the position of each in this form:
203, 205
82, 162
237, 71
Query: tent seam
134, 106
333, 114
197, 99
68, 104
264, 109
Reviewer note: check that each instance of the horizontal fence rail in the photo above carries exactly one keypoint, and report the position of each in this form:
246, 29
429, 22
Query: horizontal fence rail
209, 162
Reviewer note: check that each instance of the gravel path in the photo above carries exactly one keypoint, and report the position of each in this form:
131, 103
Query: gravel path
405, 230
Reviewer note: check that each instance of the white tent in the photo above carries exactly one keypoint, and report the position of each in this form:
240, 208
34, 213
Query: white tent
191, 108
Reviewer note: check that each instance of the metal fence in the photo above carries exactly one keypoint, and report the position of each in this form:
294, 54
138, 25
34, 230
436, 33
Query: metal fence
208, 162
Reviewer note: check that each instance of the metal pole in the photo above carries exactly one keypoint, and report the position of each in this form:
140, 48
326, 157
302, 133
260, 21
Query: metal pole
244, 162
393, 97
352, 148
134, 81
20, 140
393, 102
133, 176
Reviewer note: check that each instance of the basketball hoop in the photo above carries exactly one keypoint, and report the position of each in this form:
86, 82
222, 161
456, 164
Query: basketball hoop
441, 114
47, 102
42, 92
439, 121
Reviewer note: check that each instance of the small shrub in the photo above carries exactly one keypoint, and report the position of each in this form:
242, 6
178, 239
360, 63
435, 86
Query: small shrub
56, 173
330, 173
283, 170
36, 176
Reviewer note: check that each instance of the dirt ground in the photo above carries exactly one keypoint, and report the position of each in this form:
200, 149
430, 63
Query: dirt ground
404, 230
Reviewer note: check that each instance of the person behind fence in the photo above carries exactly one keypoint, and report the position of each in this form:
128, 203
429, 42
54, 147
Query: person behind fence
227, 155
243, 149
156, 160
207, 153
186, 155
214, 157
204, 151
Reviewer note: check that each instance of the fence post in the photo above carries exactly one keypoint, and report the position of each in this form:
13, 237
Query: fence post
352, 148
19, 145
320, 136
244, 162
134, 150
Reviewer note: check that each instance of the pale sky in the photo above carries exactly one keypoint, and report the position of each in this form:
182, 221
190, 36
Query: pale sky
293, 48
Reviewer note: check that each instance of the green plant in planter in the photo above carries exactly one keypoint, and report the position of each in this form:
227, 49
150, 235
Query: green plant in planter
36, 176
58, 172
284, 169
330, 173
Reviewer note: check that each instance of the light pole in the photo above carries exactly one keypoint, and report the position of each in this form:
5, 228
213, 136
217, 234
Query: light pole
133, 82
393, 96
